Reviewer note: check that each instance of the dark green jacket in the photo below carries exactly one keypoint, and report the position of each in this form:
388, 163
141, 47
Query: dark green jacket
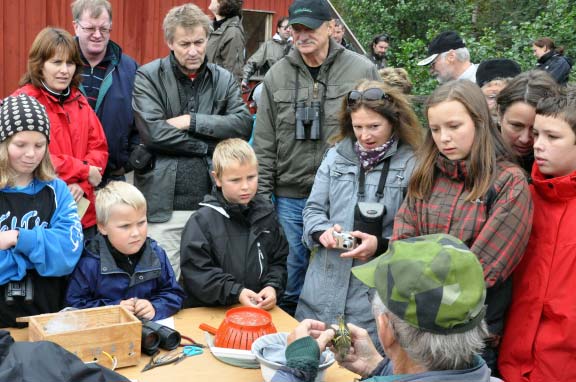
270, 52
226, 46
288, 166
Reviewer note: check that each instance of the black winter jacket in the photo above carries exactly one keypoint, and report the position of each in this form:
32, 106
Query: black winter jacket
557, 65
45, 361
228, 247
217, 112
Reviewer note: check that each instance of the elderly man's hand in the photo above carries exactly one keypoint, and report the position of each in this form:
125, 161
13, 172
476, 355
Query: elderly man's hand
363, 357
314, 329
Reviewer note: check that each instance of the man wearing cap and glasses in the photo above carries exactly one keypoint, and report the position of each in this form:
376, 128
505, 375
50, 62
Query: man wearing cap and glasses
107, 81
429, 307
449, 59
297, 114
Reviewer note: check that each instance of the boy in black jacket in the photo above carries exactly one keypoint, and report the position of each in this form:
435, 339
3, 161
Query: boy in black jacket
233, 249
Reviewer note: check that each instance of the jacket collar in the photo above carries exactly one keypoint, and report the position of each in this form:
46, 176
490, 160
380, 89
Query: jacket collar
179, 74
224, 24
280, 40
547, 56
560, 188
37, 92
257, 209
453, 169
97, 248
113, 52
334, 50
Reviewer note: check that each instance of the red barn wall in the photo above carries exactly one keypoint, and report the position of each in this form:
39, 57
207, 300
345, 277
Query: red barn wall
137, 27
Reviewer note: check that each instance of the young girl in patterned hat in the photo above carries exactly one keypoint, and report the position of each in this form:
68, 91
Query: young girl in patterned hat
465, 185
40, 231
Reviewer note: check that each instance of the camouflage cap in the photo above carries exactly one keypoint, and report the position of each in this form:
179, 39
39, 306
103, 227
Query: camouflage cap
432, 282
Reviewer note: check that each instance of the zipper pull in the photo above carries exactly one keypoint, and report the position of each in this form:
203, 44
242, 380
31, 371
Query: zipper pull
315, 90
260, 259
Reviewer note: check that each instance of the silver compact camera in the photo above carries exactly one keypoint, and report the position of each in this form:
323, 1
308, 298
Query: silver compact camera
344, 240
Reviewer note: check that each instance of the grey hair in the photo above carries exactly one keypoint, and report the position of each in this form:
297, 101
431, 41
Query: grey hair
434, 351
462, 54
186, 16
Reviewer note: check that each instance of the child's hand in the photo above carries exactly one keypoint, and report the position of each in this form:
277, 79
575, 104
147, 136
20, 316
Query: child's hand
128, 304
8, 239
76, 191
249, 298
268, 297
144, 309
95, 176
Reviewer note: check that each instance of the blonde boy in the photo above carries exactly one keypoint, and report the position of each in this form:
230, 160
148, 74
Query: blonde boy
121, 265
233, 249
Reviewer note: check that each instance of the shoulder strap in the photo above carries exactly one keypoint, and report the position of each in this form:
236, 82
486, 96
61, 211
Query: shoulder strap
381, 182
490, 198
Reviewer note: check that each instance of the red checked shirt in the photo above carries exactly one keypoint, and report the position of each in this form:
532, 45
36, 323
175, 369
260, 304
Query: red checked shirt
498, 237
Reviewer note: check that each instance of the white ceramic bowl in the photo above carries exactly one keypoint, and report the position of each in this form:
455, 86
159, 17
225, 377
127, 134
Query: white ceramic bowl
269, 367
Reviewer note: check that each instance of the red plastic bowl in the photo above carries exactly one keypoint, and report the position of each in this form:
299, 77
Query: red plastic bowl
240, 327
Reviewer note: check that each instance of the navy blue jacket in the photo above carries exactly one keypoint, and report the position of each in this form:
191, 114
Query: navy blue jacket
114, 107
98, 281
557, 65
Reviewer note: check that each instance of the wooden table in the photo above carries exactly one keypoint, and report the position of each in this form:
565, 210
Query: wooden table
205, 367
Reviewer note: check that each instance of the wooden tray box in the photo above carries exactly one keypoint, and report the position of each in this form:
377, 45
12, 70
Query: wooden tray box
91, 331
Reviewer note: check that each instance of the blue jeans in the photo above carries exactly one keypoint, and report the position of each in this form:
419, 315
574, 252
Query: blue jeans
289, 212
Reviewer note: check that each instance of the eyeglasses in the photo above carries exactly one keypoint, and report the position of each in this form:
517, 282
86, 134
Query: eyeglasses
371, 94
92, 30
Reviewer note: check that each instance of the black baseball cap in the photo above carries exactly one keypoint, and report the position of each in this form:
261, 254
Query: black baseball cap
444, 42
497, 68
310, 13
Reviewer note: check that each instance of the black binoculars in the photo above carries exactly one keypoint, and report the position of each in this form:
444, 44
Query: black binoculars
22, 288
308, 121
155, 335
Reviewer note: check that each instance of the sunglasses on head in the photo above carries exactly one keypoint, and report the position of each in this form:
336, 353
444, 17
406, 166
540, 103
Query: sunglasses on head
371, 94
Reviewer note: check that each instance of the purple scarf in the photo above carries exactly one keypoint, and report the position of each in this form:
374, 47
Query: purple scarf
370, 158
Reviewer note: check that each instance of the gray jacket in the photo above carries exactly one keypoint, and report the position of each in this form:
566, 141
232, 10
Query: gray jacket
267, 55
226, 46
216, 112
287, 165
329, 288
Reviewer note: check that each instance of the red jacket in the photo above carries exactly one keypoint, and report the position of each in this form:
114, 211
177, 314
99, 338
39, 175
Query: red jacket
77, 140
539, 341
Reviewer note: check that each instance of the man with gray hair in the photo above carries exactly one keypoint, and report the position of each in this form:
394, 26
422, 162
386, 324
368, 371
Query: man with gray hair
449, 59
297, 115
429, 309
183, 107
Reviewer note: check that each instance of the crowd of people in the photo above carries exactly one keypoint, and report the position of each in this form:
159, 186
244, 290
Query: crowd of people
447, 248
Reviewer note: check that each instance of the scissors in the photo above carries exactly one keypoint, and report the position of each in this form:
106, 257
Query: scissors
173, 357
189, 351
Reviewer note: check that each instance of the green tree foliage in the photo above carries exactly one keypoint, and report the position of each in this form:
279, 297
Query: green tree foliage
491, 28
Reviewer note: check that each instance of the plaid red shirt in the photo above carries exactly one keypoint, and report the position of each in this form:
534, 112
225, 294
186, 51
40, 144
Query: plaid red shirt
498, 237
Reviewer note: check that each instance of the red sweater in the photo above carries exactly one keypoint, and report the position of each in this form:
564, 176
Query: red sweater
77, 140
